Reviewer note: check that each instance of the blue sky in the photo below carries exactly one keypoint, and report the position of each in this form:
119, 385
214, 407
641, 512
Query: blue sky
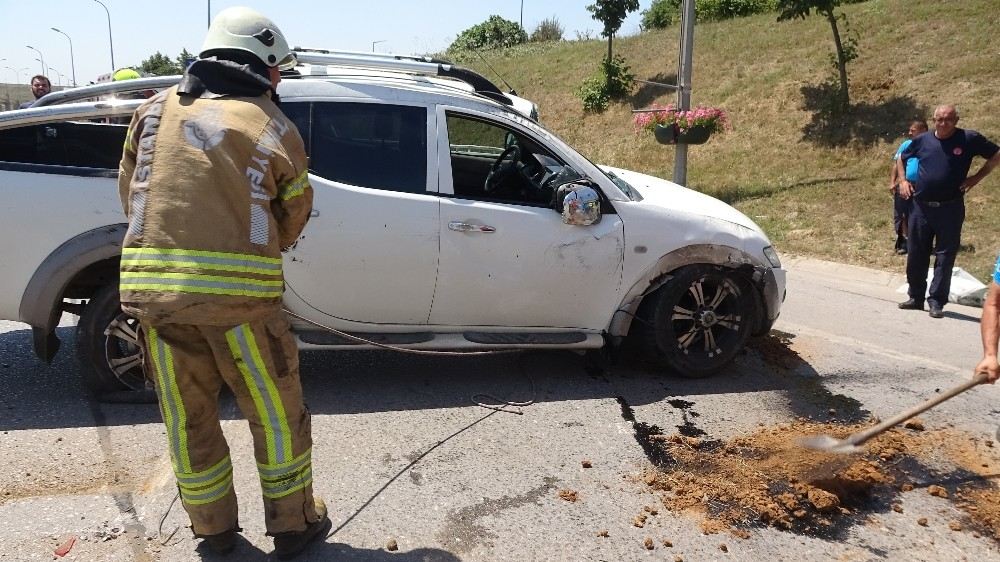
141, 28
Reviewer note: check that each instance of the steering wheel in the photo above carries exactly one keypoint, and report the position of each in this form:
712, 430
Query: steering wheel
500, 169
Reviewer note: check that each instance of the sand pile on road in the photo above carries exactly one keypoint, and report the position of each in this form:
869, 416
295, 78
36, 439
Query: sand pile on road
767, 478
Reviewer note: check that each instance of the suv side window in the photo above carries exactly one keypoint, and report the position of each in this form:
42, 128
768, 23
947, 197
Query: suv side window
523, 177
298, 113
370, 145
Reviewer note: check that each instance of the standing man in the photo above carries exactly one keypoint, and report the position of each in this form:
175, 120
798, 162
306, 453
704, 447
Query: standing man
900, 206
214, 183
990, 327
40, 85
938, 207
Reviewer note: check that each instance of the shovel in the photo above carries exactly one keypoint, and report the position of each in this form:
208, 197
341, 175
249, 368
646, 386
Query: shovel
851, 443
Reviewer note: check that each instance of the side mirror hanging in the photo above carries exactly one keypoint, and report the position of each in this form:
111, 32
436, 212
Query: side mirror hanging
579, 204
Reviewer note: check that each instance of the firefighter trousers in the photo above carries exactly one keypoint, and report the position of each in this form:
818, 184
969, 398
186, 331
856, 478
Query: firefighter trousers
259, 362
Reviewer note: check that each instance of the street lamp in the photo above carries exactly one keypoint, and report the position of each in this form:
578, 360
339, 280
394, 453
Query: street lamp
17, 73
62, 77
377, 42
41, 58
45, 69
71, 61
110, 41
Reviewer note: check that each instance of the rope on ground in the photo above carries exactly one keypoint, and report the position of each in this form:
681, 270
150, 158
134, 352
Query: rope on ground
159, 530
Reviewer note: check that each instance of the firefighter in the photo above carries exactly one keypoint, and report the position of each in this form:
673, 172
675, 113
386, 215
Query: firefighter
213, 180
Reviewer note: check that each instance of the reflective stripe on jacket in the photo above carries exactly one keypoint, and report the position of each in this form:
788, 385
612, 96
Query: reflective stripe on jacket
214, 188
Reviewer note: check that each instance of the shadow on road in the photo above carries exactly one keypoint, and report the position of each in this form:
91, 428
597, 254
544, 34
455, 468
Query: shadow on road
247, 552
37, 396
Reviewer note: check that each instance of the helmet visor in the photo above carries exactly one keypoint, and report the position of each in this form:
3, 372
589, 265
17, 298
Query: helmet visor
288, 62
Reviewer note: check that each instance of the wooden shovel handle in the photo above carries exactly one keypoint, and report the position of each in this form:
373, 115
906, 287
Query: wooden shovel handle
862, 436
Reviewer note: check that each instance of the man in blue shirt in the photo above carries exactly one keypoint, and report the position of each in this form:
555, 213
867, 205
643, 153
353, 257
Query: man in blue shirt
990, 327
937, 209
900, 206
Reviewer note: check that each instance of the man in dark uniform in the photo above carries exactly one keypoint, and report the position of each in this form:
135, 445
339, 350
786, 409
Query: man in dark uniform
938, 209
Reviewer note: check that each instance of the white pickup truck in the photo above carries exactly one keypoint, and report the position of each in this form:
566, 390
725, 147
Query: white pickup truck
436, 226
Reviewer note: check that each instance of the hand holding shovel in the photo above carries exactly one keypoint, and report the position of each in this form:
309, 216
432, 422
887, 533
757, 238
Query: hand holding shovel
852, 443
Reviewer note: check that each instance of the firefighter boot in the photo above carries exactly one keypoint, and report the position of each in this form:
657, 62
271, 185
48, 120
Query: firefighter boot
289, 545
222, 543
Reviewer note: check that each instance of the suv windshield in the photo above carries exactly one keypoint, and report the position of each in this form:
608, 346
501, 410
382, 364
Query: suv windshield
622, 184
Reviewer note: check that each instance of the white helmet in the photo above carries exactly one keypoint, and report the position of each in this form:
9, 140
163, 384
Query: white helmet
243, 29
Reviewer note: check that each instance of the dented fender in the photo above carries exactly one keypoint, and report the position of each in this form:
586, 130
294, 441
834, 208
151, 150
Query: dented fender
761, 276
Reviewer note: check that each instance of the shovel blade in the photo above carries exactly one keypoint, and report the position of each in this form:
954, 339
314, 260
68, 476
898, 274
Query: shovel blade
829, 444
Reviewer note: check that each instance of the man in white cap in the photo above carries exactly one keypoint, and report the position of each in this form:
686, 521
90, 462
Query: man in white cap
214, 183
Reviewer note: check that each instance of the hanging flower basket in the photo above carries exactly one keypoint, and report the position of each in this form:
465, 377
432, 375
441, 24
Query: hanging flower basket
670, 126
698, 134
665, 134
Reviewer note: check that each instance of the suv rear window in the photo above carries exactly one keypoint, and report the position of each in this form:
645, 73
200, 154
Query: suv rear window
82, 144
371, 145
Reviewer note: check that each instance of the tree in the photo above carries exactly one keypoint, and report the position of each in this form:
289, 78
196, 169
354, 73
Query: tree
661, 14
183, 58
612, 13
847, 50
159, 65
494, 33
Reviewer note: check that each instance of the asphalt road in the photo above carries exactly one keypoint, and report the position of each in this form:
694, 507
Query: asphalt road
403, 453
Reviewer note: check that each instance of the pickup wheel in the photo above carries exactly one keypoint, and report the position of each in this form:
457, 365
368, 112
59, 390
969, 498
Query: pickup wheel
697, 323
108, 348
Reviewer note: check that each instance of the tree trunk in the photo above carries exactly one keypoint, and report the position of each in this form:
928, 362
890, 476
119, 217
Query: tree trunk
845, 100
610, 37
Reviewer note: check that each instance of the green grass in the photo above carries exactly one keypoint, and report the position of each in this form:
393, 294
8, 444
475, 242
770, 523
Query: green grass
823, 195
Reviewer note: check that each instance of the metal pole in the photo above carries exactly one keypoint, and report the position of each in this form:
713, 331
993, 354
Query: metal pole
72, 61
376, 42
522, 14
209, 13
17, 73
6, 89
45, 69
41, 59
684, 84
111, 43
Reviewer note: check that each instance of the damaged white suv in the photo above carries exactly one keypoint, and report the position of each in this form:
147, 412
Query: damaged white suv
445, 218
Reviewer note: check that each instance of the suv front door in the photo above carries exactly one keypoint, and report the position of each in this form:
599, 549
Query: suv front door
507, 259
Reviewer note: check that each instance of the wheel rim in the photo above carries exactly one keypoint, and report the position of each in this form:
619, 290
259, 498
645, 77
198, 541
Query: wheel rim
708, 318
123, 352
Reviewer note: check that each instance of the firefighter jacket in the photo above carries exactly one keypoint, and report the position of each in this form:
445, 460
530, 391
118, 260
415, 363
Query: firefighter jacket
214, 188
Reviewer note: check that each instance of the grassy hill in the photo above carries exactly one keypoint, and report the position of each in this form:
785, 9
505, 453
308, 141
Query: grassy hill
817, 186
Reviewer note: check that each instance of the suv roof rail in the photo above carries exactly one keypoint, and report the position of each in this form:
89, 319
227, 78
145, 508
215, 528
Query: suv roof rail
68, 112
105, 88
403, 63
387, 56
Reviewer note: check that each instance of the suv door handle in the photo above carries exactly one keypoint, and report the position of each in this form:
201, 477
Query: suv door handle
459, 226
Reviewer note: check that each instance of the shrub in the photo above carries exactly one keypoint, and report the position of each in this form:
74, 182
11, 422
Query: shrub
612, 82
620, 82
715, 10
661, 14
548, 30
494, 33
592, 92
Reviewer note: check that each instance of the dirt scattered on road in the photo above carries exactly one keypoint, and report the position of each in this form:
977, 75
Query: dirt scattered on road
767, 478
569, 495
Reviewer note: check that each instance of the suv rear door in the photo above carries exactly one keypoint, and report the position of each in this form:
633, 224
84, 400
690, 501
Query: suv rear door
370, 251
